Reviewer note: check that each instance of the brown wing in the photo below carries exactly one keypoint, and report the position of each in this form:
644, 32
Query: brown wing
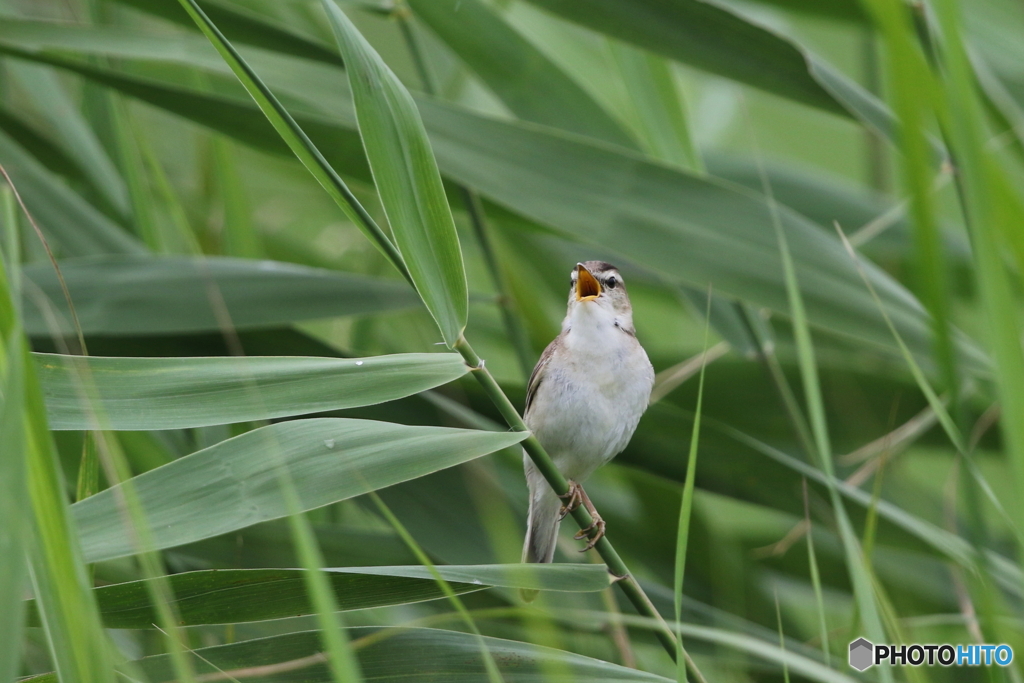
537, 376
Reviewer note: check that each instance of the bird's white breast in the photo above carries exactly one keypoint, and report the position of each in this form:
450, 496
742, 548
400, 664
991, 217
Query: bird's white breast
595, 387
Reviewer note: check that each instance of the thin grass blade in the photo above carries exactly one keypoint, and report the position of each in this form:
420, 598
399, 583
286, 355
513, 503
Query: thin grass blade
13, 502
859, 571
686, 505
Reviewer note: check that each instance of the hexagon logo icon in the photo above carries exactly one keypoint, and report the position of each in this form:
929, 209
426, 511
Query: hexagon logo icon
861, 654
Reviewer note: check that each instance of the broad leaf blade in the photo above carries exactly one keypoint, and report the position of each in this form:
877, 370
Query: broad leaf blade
407, 179
235, 484
424, 655
244, 27
85, 392
624, 203
691, 230
244, 595
526, 80
75, 227
118, 295
710, 36
78, 139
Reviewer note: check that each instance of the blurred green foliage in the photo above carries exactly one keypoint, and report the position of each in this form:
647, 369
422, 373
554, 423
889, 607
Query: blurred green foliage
686, 141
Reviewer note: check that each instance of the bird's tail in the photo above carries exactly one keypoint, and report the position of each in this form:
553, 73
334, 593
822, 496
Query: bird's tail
542, 524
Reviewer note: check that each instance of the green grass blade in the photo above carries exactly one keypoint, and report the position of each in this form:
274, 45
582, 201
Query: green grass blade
686, 505
296, 139
938, 406
490, 666
343, 665
70, 617
782, 639
915, 92
13, 502
992, 211
233, 484
859, 572
77, 643
241, 237
174, 234
174, 393
407, 178
812, 561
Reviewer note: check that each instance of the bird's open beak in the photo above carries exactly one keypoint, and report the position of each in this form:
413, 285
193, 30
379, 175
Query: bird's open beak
587, 286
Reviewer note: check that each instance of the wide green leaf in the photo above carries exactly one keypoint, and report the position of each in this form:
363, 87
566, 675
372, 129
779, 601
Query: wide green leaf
271, 545
407, 179
527, 81
237, 483
77, 138
689, 229
84, 392
710, 36
242, 595
244, 26
74, 226
385, 655
828, 9
686, 228
169, 294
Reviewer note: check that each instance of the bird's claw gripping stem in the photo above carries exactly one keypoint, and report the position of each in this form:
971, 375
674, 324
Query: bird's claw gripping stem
595, 532
575, 497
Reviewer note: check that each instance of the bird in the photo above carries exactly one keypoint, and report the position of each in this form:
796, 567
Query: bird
584, 400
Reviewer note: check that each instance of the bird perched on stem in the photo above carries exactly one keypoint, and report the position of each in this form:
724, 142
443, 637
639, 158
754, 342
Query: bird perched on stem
583, 401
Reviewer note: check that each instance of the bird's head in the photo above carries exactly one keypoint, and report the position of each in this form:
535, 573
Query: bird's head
599, 284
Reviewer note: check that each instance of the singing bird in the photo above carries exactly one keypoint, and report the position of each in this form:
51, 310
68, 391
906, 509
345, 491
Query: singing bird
584, 400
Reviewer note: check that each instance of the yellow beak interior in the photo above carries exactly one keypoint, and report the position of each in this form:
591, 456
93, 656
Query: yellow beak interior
587, 286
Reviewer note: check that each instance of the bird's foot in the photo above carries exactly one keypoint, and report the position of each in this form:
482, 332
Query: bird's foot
573, 497
594, 532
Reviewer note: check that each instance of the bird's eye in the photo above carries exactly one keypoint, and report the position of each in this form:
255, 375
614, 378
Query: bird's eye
611, 282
